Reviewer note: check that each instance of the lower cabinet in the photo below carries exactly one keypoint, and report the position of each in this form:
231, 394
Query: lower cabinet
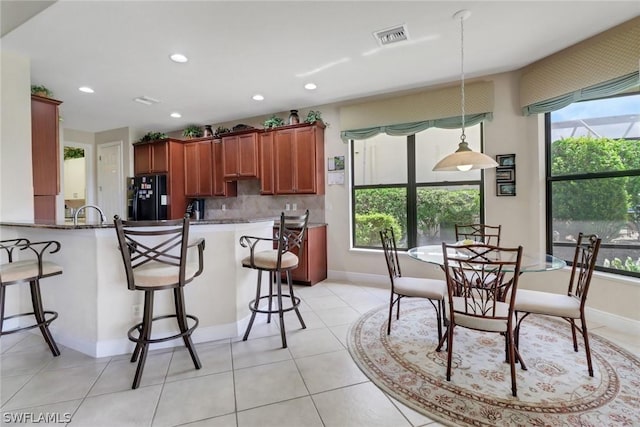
312, 264
44, 208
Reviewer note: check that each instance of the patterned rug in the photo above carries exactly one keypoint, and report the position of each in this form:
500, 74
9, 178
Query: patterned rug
556, 390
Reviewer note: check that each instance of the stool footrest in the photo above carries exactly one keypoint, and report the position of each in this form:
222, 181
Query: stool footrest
46, 322
296, 303
138, 328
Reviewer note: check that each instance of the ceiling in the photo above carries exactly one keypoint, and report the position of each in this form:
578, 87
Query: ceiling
237, 49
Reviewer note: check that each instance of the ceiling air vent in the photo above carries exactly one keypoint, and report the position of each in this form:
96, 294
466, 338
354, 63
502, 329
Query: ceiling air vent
146, 100
392, 35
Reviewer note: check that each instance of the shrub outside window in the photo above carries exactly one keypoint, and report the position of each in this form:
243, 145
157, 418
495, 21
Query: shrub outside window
593, 180
394, 186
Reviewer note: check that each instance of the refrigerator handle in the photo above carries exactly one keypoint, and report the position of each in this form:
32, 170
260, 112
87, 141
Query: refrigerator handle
135, 203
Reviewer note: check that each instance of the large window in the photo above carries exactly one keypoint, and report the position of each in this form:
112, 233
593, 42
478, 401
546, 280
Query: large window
593, 180
394, 186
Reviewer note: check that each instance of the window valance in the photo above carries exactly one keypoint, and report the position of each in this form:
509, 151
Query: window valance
407, 114
599, 66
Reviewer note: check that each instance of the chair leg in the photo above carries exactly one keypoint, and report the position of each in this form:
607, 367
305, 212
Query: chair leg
293, 300
573, 334
283, 333
512, 362
439, 307
145, 334
390, 314
272, 278
36, 300
256, 303
585, 337
2, 294
181, 317
449, 349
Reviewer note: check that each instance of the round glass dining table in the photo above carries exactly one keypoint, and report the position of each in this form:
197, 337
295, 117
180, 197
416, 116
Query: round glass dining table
530, 263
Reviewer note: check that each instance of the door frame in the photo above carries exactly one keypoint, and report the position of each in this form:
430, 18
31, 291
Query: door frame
121, 203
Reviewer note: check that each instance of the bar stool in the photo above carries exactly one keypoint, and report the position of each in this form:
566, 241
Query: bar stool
280, 260
154, 254
29, 270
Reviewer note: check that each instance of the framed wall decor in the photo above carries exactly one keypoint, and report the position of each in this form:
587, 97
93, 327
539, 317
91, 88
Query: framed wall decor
506, 175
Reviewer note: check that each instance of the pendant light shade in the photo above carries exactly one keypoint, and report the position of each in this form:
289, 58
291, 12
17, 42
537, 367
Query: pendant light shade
464, 158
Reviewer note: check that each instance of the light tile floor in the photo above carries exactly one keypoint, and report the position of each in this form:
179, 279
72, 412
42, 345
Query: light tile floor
313, 382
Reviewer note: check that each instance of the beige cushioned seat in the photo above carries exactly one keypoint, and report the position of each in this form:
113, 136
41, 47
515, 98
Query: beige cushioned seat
547, 303
419, 287
268, 260
27, 270
480, 323
157, 274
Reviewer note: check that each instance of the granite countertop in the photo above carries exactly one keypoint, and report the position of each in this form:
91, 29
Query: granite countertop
61, 225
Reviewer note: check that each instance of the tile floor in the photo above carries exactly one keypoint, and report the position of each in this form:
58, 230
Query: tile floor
313, 382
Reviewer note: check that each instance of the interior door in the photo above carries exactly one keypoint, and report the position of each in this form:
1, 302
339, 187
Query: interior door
110, 180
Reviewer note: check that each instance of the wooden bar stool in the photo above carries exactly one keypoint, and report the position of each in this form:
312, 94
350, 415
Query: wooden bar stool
29, 270
280, 260
155, 259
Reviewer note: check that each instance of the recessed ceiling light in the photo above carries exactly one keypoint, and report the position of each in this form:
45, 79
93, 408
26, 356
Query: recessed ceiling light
310, 86
85, 89
178, 57
176, 115
258, 97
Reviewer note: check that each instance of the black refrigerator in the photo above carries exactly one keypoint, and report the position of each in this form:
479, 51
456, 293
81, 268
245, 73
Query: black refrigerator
147, 198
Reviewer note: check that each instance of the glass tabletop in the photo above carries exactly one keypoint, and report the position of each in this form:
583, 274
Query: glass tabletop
530, 263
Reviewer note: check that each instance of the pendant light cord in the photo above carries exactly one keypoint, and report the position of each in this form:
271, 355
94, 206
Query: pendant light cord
463, 136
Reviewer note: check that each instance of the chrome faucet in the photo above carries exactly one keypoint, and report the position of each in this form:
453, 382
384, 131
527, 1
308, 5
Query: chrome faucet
103, 218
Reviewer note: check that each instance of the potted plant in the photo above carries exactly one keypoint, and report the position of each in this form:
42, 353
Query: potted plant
273, 122
220, 130
314, 116
41, 91
192, 131
152, 136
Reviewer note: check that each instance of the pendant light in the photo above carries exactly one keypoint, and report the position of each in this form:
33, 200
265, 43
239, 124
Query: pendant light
464, 159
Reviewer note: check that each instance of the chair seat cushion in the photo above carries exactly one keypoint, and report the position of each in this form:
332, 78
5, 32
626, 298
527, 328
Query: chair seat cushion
419, 287
547, 303
26, 270
476, 322
268, 260
157, 274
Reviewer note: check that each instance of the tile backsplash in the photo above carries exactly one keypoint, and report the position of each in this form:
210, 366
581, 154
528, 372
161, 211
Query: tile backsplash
250, 204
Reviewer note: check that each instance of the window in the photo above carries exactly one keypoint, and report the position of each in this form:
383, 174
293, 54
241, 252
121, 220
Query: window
593, 180
394, 186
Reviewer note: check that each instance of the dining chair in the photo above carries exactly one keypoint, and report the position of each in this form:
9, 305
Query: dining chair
480, 233
279, 259
478, 276
30, 268
433, 290
569, 307
156, 258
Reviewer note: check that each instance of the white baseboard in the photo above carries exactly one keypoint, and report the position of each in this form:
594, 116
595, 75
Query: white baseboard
610, 320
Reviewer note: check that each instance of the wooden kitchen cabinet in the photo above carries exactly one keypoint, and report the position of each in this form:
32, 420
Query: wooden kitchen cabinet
298, 159
312, 264
267, 186
151, 157
198, 168
240, 155
45, 157
221, 187
164, 157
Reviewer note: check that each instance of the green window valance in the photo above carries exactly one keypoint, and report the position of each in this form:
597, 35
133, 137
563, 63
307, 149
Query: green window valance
600, 90
414, 127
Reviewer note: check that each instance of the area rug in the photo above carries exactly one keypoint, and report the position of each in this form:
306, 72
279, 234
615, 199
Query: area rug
556, 390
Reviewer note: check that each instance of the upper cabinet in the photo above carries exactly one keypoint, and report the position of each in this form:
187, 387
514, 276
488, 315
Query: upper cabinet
240, 155
151, 157
45, 156
221, 187
297, 165
198, 168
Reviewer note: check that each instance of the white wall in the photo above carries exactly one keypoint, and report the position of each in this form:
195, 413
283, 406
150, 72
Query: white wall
16, 178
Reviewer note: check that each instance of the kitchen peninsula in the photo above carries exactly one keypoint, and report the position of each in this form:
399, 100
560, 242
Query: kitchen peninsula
95, 307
